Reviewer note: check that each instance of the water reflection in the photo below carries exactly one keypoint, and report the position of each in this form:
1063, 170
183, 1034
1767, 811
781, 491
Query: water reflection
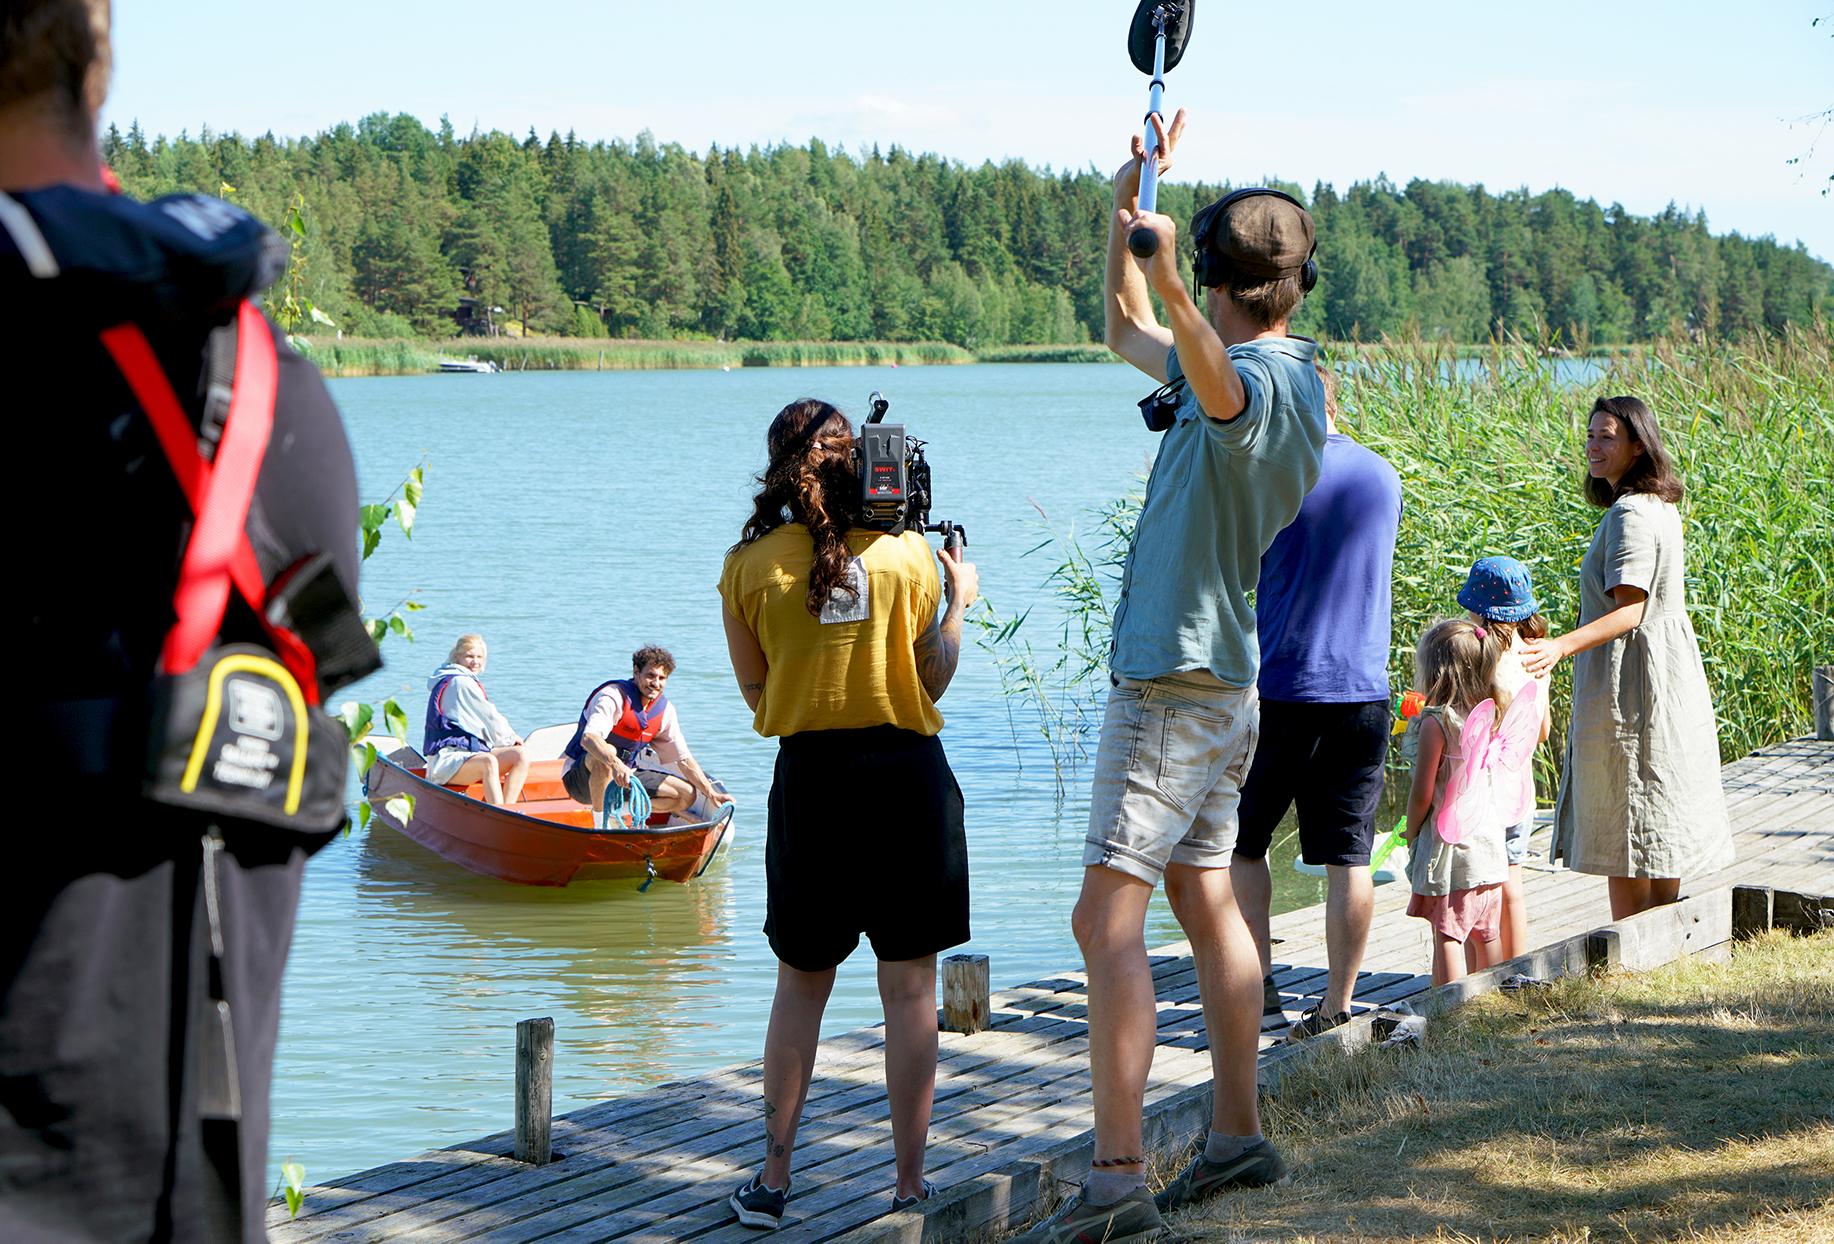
634, 971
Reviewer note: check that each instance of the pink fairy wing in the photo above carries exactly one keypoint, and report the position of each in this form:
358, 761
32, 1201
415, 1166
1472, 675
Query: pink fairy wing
1511, 764
1468, 803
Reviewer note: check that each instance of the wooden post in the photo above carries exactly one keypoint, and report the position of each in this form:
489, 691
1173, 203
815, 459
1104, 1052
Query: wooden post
966, 1000
534, 1090
1824, 703
1751, 911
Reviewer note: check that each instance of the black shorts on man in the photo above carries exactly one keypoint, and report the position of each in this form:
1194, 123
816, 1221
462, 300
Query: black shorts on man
865, 836
1327, 759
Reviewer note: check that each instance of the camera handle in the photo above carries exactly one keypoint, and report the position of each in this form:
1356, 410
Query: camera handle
953, 535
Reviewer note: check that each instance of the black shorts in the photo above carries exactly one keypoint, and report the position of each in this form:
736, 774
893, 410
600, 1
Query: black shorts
577, 782
1328, 759
864, 836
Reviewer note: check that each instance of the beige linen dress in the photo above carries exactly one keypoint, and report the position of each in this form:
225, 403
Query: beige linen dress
1640, 792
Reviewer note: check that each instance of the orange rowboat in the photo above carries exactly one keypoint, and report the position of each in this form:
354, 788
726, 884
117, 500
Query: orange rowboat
546, 839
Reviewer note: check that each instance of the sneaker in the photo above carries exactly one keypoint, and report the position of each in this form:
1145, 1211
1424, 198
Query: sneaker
1316, 1021
758, 1206
1270, 997
1132, 1218
1255, 1167
900, 1203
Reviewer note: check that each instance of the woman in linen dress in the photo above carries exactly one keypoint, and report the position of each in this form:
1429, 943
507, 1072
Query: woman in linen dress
1640, 796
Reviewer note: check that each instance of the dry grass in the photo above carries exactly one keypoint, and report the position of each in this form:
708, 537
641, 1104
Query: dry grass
1691, 1103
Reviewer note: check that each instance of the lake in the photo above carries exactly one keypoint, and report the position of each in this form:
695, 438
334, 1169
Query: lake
571, 518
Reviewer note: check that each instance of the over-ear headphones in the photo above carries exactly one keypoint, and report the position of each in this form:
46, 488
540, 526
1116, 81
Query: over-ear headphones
1211, 269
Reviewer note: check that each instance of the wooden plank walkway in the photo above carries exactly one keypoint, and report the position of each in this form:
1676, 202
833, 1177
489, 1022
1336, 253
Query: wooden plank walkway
659, 1165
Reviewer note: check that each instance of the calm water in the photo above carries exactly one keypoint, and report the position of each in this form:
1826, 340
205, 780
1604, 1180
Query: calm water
571, 518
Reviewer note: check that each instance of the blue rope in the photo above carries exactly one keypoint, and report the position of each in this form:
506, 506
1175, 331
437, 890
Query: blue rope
619, 800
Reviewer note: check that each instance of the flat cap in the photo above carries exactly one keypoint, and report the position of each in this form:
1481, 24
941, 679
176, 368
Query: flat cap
1264, 235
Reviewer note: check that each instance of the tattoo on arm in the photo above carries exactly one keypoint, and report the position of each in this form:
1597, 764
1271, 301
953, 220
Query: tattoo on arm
751, 686
938, 651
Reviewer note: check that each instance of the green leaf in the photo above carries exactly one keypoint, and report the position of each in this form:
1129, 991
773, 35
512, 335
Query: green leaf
296, 223
292, 1181
394, 719
405, 512
373, 516
364, 812
369, 755
413, 486
378, 629
371, 538
399, 625
401, 807
412, 606
356, 718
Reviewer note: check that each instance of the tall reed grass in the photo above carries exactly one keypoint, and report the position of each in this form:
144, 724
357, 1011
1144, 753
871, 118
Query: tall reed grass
356, 357
1491, 462
1083, 353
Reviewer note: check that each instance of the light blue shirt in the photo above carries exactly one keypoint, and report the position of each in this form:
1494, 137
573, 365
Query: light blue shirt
1218, 495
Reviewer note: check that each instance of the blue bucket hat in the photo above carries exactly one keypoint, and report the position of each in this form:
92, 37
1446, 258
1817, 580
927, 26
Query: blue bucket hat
1499, 588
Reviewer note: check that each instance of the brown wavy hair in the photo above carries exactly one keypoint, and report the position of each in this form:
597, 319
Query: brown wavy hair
811, 479
1652, 471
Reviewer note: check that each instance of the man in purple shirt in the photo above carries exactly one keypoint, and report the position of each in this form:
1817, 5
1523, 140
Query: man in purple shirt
1322, 612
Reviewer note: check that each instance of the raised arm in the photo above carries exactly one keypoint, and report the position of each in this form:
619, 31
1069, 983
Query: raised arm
1129, 327
1201, 353
939, 648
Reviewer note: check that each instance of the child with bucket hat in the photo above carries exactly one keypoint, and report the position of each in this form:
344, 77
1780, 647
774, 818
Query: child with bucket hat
1499, 595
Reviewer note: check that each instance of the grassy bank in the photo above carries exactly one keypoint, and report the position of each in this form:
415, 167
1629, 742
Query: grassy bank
1686, 1103
1490, 462
356, 357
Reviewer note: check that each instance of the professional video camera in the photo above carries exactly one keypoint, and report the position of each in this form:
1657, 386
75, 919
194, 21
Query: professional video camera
895, 479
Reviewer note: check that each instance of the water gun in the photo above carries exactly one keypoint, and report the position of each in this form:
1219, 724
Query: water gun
1407, 707
1387, 846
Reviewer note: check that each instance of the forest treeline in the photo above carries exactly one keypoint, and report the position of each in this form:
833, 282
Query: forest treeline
404, 228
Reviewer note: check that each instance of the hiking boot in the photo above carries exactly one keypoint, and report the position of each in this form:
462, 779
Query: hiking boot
1132, 1218
1270, 997
1316, 1021
900, 1203
758, 1206
1255, 1167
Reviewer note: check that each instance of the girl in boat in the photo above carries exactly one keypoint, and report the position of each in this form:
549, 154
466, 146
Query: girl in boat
467, 740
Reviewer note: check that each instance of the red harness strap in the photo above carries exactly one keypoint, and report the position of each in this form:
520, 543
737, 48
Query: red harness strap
219, 492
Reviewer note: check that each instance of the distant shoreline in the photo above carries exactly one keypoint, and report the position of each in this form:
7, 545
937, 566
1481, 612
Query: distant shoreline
354, 357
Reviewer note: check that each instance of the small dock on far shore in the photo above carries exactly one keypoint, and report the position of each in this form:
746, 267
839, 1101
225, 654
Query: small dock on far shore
1012, 1112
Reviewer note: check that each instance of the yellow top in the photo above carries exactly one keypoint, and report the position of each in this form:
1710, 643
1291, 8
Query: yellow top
854, 666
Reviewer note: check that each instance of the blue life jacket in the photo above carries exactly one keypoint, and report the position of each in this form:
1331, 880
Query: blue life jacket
441, 732
632, 732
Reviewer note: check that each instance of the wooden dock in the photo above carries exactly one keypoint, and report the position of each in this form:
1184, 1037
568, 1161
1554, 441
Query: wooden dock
1012, 1103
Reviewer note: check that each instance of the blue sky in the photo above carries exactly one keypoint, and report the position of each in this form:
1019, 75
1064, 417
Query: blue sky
1635, 102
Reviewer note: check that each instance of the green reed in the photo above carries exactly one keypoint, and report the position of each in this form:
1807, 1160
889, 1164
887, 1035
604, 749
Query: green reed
356, 357
1491, 463
1084, 353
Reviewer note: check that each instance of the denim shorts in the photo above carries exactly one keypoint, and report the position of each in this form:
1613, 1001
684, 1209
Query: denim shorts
1515, 840
1168, 773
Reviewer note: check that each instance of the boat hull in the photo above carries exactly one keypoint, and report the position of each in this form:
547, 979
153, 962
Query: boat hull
543, 840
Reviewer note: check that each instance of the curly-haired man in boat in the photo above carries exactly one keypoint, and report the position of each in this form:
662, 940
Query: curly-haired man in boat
628, 731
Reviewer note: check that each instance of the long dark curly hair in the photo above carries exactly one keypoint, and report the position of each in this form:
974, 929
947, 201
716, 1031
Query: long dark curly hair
811, 479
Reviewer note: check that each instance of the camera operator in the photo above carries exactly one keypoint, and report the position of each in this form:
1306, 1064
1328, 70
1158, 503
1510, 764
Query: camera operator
1243, 435
142, 944
836, 645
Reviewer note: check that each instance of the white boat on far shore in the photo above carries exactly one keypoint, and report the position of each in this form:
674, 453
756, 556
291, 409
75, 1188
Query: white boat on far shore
469, 365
